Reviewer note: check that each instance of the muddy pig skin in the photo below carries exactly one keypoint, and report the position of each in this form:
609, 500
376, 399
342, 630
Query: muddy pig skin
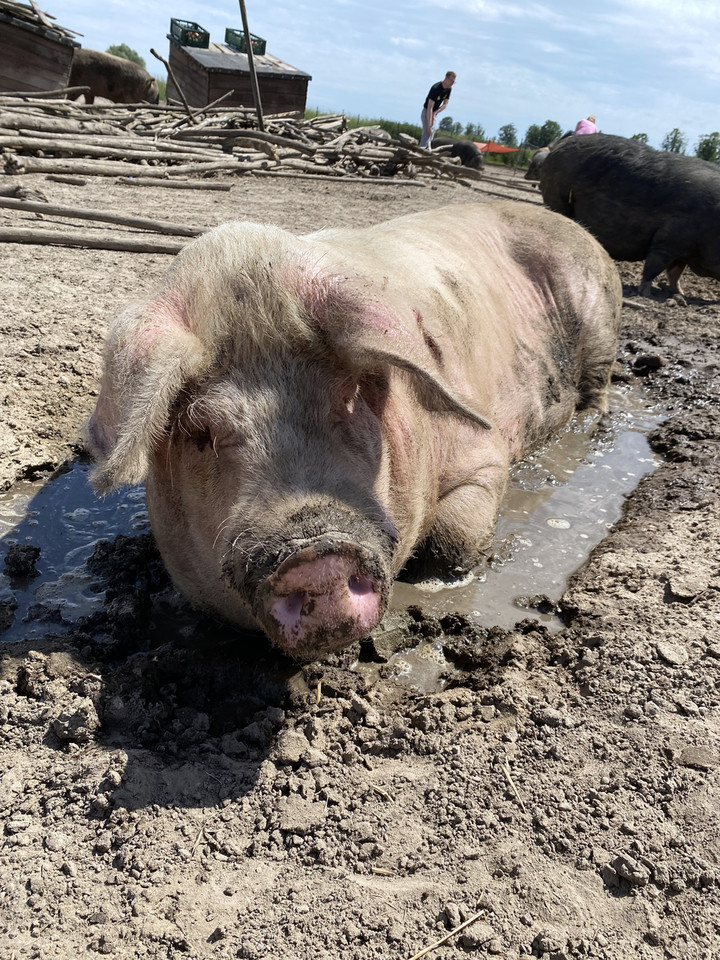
640, 203
314, 414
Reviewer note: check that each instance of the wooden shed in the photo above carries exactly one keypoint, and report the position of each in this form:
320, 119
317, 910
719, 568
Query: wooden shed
206, 73
35, 52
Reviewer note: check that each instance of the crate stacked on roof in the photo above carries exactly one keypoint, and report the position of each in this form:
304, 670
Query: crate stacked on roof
205, 70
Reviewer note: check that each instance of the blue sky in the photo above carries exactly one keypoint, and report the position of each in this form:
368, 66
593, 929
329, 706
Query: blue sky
638, 65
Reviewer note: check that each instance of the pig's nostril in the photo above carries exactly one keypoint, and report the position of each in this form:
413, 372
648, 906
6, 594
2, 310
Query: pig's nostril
360, 586
290, 607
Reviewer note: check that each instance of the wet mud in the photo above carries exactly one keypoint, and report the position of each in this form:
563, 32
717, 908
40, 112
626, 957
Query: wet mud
173, 788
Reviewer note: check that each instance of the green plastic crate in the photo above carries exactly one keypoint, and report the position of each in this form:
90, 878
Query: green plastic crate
236, 40
189, 34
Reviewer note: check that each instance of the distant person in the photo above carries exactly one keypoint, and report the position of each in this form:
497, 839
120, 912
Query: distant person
586, 126
435, 103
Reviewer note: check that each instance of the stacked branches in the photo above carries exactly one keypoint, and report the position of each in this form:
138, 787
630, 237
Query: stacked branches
49, 135
169, 146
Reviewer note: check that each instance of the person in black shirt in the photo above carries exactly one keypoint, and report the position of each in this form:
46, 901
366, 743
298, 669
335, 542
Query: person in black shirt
435, 103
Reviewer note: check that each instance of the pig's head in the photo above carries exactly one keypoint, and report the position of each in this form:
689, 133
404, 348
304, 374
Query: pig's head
263, 397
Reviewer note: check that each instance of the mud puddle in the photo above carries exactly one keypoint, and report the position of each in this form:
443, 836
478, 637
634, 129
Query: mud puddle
560, 504
65, 520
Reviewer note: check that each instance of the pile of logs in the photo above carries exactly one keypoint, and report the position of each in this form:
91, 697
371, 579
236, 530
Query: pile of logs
48, 134
173, 146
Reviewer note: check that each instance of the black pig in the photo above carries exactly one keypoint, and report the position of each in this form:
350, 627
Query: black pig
466, 150
640, 203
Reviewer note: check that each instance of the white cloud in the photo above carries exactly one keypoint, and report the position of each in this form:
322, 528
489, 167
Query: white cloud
408, 43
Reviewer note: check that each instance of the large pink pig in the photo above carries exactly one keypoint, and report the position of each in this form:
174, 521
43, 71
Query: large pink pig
314, 414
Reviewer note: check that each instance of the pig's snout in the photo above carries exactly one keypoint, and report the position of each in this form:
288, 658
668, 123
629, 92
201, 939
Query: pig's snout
322, 598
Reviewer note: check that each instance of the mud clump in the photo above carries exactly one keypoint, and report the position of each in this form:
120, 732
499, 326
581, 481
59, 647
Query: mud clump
20, 561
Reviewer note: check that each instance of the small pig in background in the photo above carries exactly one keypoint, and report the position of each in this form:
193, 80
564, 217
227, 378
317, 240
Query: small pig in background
313, 414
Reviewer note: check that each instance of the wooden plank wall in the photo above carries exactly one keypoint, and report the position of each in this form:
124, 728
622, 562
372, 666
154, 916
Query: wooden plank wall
278, 94
32, 62
190, 75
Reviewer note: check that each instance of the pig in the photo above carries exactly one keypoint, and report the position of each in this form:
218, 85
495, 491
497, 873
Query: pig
466, 150
114, 78
540, 155
640, 203
533, 170
313, 415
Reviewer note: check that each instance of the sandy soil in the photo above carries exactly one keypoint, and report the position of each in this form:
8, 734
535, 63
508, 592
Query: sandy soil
202, 797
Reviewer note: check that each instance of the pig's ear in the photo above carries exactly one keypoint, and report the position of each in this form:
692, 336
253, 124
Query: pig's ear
150, 355
367, 332
431, 389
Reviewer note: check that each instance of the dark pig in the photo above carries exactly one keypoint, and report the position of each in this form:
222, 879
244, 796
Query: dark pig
113, 78
468, 152
313, 413
640, 203
539, 157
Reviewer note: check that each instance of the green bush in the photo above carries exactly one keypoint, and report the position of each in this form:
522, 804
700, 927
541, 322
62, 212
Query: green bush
127, 53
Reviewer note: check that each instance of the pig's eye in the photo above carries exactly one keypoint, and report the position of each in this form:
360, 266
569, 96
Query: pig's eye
199, 435
191, 428
350, 399
345, 395
374, 391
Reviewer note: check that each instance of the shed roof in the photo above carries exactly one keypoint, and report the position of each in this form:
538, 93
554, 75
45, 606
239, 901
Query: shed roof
219, 57
36, 21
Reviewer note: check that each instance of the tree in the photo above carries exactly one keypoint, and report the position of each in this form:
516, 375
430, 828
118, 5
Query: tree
543, 136
640, 137
507, 135
448, 125
550, 131
476, 131
708, 147
675, 141
533, 136
126, 52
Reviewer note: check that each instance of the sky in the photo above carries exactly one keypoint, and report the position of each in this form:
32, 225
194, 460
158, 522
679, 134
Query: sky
640, 66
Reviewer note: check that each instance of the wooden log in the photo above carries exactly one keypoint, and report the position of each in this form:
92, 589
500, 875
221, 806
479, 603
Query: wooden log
77, 238
511, 186
251, 143
39, 95
14, 120
280, 174
63, 178
116, 168
227, 134
69, 146
440, 166
205, 109
132, 142
307, 167
174, 184
102, 216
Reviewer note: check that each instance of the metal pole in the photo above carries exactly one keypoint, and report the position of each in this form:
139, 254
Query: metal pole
251, 65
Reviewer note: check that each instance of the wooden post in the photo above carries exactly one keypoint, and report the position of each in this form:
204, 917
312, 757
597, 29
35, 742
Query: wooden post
176, 84
251, 65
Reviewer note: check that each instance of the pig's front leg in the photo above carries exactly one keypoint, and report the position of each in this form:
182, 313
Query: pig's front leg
464, 524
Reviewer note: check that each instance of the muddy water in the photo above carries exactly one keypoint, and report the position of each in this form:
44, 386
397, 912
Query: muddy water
66, 520
559, 505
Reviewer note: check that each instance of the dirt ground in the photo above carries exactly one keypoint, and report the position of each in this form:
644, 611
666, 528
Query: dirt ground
196, 795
